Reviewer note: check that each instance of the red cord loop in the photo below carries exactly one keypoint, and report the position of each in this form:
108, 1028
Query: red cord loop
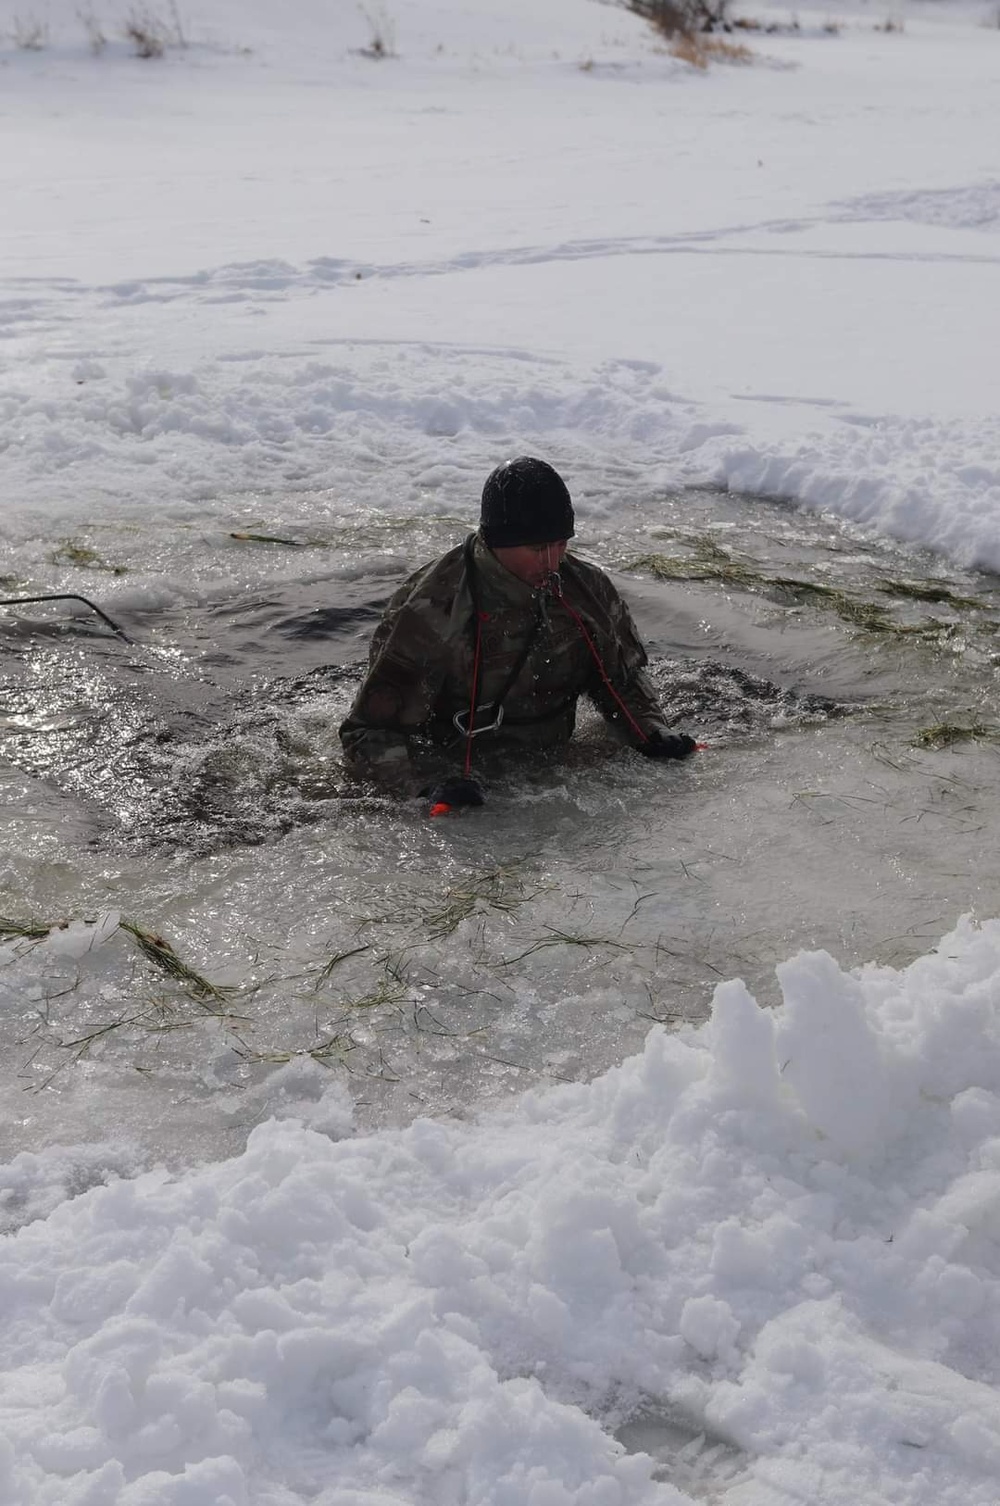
581, 627
556, 589
477, 657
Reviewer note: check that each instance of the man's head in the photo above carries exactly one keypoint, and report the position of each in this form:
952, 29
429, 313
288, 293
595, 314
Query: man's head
526, 517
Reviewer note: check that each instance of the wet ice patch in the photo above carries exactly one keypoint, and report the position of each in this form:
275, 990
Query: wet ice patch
698, 1462
971, 206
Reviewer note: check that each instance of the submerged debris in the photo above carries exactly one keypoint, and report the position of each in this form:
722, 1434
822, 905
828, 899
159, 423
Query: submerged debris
22, 930
947, 734
937, 594
709, 561
715, 695
155, 948
500, 889
83, 557
158, 950
266, 538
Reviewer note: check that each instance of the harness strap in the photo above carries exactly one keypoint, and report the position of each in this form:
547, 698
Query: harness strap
479, 617
477, 655
555, 586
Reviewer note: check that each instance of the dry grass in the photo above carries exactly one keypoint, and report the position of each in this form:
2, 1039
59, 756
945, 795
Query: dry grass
150, 34
143, 32
94, 31
381, 32
700, 50
682, 18
30, 34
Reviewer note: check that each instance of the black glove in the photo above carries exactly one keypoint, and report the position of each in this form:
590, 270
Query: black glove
455, 792
668, 745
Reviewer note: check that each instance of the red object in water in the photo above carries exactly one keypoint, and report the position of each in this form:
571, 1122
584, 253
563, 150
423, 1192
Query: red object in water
442, 808
700, 747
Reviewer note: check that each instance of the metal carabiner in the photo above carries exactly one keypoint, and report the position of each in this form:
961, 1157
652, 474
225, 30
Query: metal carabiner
461, 720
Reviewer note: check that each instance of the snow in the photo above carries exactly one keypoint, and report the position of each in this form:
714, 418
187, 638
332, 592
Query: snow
269, 267
781, 1226
270, 262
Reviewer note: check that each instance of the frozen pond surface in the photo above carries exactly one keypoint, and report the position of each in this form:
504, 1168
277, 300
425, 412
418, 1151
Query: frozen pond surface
191, 784
272, 285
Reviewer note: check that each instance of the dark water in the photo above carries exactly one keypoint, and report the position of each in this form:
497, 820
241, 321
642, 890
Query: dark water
184, 736
191, 781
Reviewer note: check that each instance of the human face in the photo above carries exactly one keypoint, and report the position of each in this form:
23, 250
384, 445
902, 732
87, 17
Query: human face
532, 563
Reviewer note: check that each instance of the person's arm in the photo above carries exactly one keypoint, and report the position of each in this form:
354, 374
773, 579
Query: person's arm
406, 668
634, 708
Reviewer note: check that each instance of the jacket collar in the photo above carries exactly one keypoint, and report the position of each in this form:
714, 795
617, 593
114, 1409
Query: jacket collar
497, 586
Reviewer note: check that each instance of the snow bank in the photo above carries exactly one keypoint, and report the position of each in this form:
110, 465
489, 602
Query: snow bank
289, 266
921, 480
782, 1225
397, 431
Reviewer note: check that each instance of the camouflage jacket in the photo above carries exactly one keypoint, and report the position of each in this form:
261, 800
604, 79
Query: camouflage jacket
423, 651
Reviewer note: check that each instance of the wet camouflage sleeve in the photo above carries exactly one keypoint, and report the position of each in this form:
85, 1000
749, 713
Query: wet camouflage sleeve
628, 673
406, 666
418, 645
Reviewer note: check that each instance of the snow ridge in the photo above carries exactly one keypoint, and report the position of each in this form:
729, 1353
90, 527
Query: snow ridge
776, 1220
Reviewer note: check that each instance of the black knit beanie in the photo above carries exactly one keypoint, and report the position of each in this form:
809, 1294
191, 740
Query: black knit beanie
525, 502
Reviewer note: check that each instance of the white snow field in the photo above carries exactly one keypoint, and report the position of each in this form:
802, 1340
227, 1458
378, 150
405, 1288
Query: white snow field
270, 277
269, 263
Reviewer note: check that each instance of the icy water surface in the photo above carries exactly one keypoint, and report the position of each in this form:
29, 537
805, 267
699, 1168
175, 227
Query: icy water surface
282, 924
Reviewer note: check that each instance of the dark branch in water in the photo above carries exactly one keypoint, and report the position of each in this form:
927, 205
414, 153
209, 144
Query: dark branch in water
17, 601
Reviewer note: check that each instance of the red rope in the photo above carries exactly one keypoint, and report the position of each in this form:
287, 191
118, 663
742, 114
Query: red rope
477, 656
582, 629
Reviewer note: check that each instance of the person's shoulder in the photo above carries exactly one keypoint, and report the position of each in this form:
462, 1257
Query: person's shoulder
591, 577
433, 586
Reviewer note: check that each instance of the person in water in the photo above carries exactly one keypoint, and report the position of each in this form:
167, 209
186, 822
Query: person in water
496, 641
